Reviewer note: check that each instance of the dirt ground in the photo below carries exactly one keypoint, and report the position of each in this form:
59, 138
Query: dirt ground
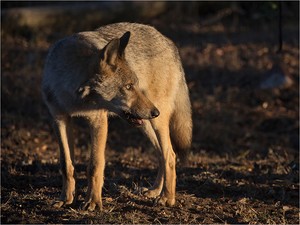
244, 161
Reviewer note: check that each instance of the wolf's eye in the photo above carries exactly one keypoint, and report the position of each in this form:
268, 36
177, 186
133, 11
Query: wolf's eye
128, 87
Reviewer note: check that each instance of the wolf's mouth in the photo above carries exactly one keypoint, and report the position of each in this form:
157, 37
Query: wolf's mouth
132, 119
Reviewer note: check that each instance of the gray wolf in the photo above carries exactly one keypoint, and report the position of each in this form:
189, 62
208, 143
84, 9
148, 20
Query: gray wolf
125, 69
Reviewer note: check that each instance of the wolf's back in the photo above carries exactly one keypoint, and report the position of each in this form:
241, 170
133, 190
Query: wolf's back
145, 41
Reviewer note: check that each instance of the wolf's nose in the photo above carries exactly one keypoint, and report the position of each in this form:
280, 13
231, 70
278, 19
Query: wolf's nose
154, 113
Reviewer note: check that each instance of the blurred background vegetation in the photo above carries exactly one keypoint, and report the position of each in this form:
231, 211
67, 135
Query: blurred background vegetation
26, 15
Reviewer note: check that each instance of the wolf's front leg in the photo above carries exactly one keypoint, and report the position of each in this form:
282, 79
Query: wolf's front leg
98, 125
63, 129
168, 165
167, 196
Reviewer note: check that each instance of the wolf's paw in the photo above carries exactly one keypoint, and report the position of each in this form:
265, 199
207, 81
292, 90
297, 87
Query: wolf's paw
164, 201
68, 195
61, 203
58, 204
66, 199
92, 205
151, 192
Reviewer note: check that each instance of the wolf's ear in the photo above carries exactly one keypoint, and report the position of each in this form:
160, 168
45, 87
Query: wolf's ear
115, 49
123, 43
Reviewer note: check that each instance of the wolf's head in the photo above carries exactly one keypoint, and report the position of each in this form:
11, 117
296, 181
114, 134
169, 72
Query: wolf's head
117, 84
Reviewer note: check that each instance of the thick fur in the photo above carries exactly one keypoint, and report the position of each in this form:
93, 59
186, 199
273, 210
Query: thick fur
126, 69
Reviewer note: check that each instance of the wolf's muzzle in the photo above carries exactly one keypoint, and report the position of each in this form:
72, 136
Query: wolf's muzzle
135, 119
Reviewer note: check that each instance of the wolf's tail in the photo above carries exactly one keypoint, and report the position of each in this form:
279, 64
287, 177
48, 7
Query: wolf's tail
181, 123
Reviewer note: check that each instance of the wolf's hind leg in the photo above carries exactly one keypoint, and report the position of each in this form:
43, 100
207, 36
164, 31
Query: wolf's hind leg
64, 132
156, 188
